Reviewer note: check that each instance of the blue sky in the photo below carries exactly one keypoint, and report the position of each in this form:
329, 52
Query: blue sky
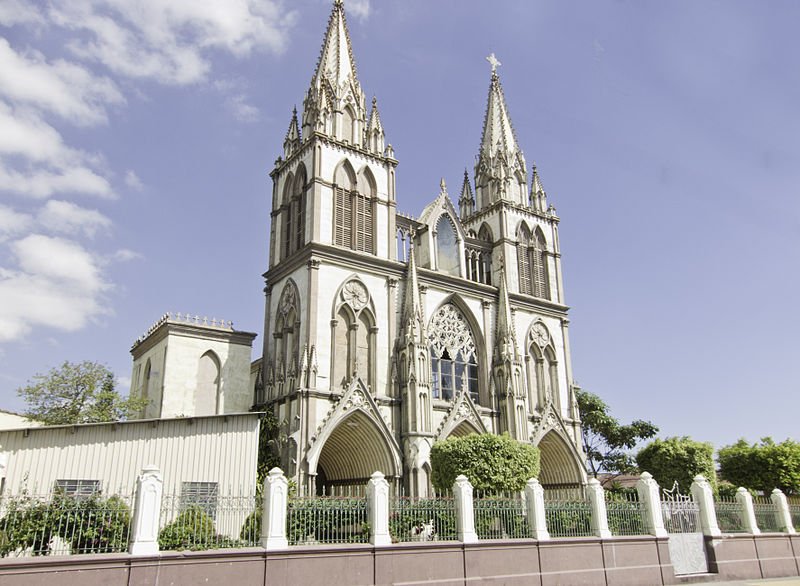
136, 142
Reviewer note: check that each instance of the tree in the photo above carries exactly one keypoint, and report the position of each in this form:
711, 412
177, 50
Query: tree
762, 466
678, 459
605, 439
491, 462
77, 393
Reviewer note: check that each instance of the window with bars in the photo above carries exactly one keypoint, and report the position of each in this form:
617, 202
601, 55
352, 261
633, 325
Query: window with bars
353, 220
200, 494
77, 487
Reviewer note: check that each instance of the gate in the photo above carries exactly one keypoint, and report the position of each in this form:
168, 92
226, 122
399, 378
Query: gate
682, 522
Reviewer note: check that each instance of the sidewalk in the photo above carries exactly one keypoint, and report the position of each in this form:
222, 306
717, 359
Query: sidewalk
795, 581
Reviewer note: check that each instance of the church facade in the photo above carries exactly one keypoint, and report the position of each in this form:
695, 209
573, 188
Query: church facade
383, 333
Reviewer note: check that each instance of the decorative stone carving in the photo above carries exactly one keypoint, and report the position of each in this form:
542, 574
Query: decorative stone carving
355, 294
539, 334
449, 331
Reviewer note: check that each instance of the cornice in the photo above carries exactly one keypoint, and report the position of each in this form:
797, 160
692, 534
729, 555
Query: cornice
525, 210
199, 332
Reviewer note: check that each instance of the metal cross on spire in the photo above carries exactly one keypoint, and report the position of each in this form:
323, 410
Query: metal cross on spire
494, 62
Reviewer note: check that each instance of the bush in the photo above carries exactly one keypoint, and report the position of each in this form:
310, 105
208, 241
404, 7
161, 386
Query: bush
493, 463
678, 459
762, 466
90, 524
192, 529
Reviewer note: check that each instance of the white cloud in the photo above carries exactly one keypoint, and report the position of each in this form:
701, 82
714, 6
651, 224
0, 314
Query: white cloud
13, 222
123, 384
34, 160
132, 180
68, 218
57, 283
241, 110
124, 255
359, 8
16, 12
65, 89
168, 40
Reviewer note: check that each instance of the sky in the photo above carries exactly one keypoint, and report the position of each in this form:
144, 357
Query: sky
136, 141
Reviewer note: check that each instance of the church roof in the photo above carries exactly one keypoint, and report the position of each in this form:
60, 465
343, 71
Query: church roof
336, 63
498, 133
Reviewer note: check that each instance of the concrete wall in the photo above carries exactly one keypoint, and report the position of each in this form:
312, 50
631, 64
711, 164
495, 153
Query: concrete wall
636, 561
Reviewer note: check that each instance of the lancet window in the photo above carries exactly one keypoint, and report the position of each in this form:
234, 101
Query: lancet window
354, 337
447, 257
542, 369
293, 213
453, 354
532, 263
286, 339
352, 210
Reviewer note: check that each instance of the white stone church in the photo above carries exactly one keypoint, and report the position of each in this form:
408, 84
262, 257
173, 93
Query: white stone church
383, 333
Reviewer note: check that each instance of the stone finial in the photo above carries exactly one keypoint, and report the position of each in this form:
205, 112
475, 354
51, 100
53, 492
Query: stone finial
494, 62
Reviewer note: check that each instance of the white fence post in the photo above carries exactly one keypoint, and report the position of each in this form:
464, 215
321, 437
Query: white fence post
648, 489
704, 497
534, 501
273, 515
745, 499
465, 517
783, 515
378, 509
597, 499
146, 512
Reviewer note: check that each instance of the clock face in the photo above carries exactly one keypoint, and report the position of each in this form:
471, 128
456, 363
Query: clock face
540, 335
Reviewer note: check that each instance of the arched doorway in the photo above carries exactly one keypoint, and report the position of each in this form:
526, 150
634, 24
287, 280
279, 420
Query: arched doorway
353, 451
561, 468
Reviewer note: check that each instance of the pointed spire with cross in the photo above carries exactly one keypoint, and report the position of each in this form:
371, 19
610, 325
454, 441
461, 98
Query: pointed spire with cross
494, 62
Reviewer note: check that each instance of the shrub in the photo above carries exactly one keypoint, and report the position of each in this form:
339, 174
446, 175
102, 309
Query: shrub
762, 466
678, 459
493, 463
193, 528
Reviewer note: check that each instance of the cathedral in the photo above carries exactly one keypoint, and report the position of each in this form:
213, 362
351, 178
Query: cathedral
384, 333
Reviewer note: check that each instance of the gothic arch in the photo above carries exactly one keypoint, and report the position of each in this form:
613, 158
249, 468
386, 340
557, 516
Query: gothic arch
208, 393
541, 365
344, 175
561, 465
299, 179
353, 334
366, 182
354, 441
463, 429
448, 257
286, 336
485, 233
477, 339
287, 188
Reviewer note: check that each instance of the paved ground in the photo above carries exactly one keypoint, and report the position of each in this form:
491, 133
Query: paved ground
764, 582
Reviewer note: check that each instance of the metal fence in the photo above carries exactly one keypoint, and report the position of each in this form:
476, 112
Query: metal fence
794, 510
765, 511
625, 513
500, 516
730, 515
568, 518
315, 520
212, 522
423, 519
61, 524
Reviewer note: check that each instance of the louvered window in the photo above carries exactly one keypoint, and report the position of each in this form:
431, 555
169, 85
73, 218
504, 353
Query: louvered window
300, 220
539, 260
353, 221
343, 218
286, 221
524, 266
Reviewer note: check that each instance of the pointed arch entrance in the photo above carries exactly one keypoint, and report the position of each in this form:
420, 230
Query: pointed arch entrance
560, 465
353, 450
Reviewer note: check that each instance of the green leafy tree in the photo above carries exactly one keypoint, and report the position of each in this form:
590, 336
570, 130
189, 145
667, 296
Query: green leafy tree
77, 393
491, 462
192, 529
762, 466
678, 459
605, 439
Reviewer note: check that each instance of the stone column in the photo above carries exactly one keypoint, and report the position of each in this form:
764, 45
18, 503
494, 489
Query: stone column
704, 497
745, 499
465, 517
597, 500
648, 489
273, 515
378, 509
783, 515
146, 512
534, 501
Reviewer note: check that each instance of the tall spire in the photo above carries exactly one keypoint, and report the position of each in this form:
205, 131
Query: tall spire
500, 171
335, 104
292, 140
413, 317
505, 339
466, 202
538, 197
375, 134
